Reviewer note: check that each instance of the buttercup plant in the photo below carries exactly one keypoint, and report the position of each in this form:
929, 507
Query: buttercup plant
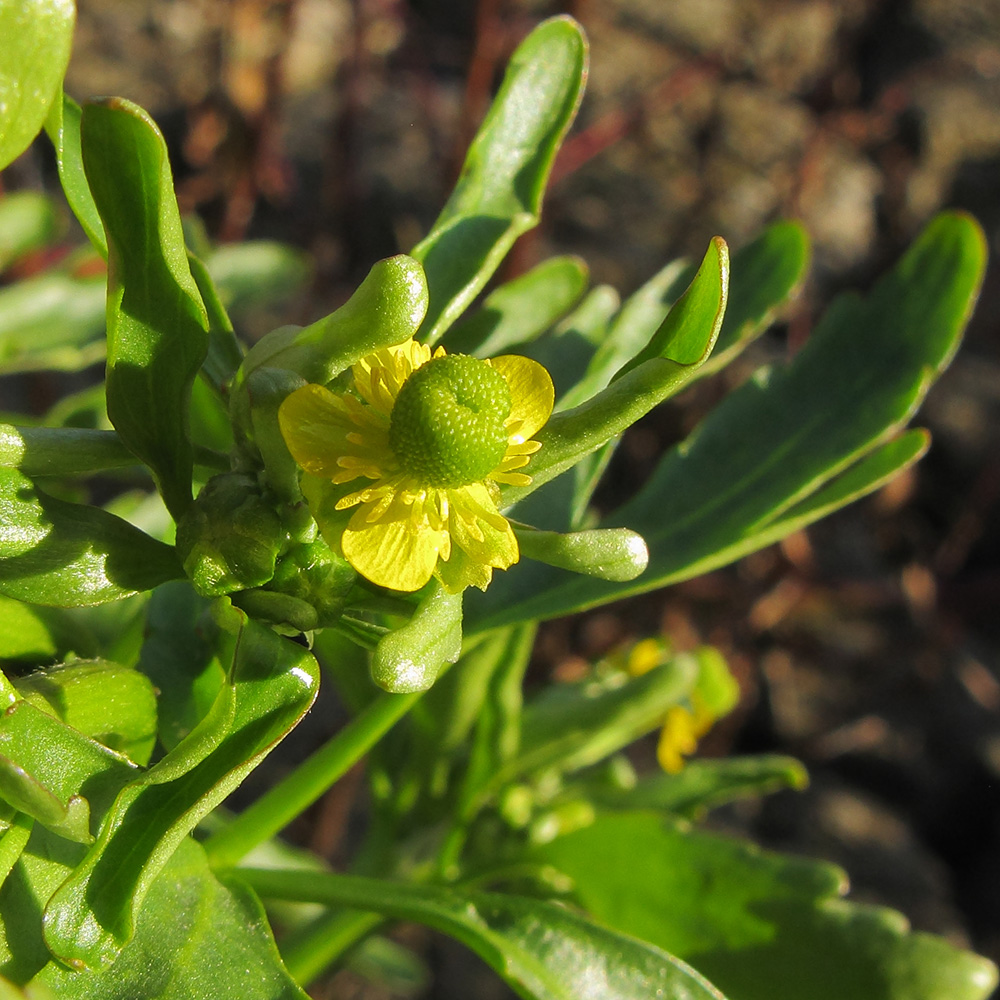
341, 495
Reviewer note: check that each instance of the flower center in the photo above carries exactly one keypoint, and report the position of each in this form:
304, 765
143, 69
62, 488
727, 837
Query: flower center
447, 425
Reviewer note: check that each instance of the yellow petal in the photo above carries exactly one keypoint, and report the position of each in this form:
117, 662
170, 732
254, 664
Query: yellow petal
678, 738
531, 392
315, 426
478, 528
393, 554
460, 571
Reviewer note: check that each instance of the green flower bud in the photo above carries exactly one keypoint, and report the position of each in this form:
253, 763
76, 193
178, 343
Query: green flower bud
230, 537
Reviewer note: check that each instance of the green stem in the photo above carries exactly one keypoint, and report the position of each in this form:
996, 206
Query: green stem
69, 451
310, 780
318, 946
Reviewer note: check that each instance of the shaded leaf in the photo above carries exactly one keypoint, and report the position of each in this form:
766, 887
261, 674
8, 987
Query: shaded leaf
763, 926
52, 321
705, 784
681, 343
27, 223
521, 309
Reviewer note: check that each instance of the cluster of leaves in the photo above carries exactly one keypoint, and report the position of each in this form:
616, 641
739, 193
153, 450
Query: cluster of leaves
176, 666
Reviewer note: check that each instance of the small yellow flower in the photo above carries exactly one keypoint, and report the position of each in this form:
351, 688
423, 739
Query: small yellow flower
433, 435
682, 728
714, 694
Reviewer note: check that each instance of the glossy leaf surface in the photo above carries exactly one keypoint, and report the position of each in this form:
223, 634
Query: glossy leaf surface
196, 937
157, 324
63, 128
544, 952
499, 193
92, 916
67, 555
112, 704
37, 38
762, 926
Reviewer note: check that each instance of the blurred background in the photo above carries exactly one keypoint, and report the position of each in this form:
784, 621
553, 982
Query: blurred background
869, 646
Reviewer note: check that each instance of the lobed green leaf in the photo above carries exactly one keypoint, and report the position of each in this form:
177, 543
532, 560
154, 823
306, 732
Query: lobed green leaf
762, 926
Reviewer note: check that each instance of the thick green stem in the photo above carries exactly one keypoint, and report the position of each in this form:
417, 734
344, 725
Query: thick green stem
278, 807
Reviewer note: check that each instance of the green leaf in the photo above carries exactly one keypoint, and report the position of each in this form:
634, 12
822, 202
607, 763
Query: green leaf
256, 273
568, 349
630, 330
179, 656
38, 35
112, 704
682, 342
544, 952
224, 354
762, 926
92, 915
765, 274
499, 193
61, 451
63, 129
765, 461
409, 658
609, 553
52, 321
25, 632
386, 309
13, 841
157, 324
196, 937
705, 784
522, 309
67, 555
570, 726
27, 223
54, 773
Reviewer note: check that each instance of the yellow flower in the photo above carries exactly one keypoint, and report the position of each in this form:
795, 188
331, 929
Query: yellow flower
682, 728
714, 694
433, 435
